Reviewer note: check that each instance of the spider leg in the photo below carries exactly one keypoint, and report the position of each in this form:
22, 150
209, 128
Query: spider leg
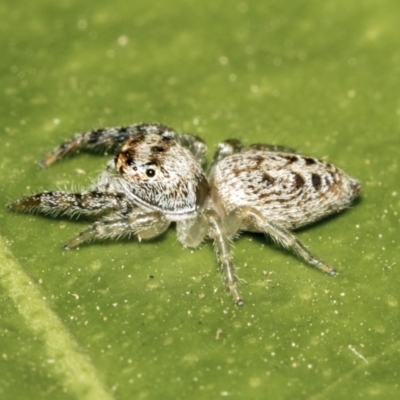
145, 225
224, 255
191, 232
109, 140
100, 140
89, 203
272, 147
194, 144
225, 149
258, 222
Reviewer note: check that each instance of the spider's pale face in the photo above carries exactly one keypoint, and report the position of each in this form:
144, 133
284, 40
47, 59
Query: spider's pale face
161, 174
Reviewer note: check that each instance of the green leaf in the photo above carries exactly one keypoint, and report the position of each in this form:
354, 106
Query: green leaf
123, 320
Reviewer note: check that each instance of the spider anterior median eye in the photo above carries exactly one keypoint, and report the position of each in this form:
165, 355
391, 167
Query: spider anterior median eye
150, 172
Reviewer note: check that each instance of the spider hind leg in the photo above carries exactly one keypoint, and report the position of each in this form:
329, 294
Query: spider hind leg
250, 217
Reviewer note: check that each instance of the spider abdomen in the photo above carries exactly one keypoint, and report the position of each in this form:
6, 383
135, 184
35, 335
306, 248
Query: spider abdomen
290, 189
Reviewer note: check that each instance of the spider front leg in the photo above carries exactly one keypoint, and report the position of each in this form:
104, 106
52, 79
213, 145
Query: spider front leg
100, 140
109, 140
89, 203
254, 220
144, 225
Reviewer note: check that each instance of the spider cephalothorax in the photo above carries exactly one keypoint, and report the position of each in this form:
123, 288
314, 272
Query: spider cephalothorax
157, 178
153, 176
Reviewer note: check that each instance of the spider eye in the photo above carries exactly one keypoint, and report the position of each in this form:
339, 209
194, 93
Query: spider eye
150, 172
130, 162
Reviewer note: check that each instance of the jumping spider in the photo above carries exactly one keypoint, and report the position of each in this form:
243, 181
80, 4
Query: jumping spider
157, 178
